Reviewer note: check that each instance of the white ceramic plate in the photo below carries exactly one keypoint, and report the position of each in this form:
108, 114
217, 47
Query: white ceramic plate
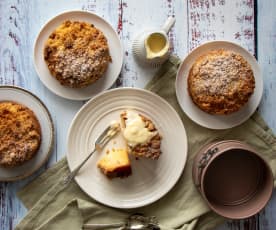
115, 48
24, 97
217, 121
150, 180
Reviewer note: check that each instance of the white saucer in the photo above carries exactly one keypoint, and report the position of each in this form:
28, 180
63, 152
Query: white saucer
115, 48
24, 97
217, 121
150, 179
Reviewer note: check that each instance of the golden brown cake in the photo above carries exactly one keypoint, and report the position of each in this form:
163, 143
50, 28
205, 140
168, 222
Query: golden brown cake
221, 82
115, 163
20, 134
141, 135
77, 54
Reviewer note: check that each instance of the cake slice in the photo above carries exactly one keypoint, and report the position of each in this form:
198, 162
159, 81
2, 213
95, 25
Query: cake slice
115, 163
141, 135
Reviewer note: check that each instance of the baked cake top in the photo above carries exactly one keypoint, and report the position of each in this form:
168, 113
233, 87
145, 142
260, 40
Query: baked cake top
77, 54
20, 134
221, 82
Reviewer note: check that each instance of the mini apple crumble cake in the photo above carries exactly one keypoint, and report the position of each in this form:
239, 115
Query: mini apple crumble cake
77, 54
20, 134
221, 82
141, 135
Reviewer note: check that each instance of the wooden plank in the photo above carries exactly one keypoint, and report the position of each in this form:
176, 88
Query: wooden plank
133, 19
12, 71
266, 21
223, 20
20, 22
267, 59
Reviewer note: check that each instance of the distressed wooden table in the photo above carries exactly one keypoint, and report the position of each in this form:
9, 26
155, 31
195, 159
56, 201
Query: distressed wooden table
250, 23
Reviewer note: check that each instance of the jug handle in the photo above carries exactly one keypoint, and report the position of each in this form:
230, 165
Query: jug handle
168, 24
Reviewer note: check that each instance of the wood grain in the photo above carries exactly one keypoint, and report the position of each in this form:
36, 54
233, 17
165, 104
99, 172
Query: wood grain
197, 21
221, 19
266, 38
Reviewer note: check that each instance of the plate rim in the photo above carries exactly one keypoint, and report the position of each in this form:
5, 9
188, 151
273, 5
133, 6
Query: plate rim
166, 191
44, 25
51, 146
177, 88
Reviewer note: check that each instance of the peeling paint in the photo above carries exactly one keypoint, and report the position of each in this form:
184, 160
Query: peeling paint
15, 8
120, 16
14, 37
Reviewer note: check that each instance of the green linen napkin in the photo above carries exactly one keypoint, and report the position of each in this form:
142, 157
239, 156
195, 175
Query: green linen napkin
51, 206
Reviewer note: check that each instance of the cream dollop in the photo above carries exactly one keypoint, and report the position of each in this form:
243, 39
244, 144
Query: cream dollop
135, 131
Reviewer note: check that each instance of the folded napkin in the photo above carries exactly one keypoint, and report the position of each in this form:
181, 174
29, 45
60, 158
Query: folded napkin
51, 206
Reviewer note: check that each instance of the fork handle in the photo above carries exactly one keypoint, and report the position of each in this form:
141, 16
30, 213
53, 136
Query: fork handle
102, 226
68, 178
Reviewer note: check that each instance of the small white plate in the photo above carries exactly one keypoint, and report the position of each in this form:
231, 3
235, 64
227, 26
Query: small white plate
24, 97
115, 49
150, 179
217, 121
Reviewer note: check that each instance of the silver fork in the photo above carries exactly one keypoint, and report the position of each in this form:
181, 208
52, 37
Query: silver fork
134, 222
101, 141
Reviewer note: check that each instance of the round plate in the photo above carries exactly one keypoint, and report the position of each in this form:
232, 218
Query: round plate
217, 121
115, 49
24, 97
150, 179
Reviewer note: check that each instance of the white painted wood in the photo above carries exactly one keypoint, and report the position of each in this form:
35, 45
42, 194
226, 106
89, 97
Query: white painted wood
221, 19
267, 59
137, 18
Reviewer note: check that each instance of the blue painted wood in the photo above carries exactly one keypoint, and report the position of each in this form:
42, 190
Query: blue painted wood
267, 58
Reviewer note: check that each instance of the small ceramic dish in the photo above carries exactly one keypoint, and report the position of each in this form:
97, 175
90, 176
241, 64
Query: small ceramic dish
217, 121
233, 178
24, 97
115, 49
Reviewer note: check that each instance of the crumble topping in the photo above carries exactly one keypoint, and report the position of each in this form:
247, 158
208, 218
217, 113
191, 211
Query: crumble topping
221, 82
77, 54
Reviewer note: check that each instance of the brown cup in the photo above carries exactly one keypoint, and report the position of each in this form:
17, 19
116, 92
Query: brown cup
233, 178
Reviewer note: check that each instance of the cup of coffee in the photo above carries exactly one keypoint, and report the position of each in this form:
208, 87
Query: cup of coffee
233, 178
